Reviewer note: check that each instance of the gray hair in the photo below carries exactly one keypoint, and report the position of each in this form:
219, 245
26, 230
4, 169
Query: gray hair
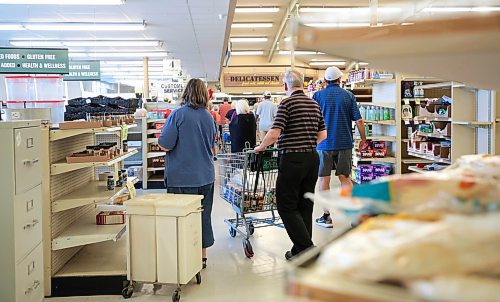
242, 107
294, 78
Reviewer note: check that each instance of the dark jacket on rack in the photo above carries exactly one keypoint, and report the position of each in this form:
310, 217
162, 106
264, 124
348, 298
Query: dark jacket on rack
242, 129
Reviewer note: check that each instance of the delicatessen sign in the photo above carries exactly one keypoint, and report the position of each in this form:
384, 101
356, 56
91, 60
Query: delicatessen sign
253, 80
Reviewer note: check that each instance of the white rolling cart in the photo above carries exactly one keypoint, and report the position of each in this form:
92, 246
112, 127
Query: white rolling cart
164, 242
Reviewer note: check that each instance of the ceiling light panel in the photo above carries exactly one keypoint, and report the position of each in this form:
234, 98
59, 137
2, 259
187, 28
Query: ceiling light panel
131, 63
348, 10
341, 25
461, 9
85, 43
64, 2
252, 25
262, 9
9, 26
249, 39
116, 54
300, 52
248, 53
85, 26
327, 63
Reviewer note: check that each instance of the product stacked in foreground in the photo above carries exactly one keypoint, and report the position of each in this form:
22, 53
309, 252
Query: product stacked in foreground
442, 244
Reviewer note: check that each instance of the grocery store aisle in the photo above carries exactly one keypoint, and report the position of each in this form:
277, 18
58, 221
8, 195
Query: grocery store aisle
230, 276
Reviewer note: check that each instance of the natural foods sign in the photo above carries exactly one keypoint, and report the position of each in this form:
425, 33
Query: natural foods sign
84, 71
34, 61
253, 80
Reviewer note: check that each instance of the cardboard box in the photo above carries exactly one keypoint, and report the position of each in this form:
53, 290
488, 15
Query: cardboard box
365, 169
86, 159
79, 125
380, 153
379, 145
365, 153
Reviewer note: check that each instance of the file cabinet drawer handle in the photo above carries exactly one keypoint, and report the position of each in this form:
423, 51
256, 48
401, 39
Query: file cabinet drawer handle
31, 225
29, 205
28, 162
35, 285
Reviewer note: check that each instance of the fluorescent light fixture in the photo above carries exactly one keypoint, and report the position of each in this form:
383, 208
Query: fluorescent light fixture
117, 54
131, 63
327, 63
247, 53
363, 63
346, 10
407, 23
130, 69
65, 2
248, 39
461, 9
11, 26
86, 26
252, 25
85, 43
343, 25
263, 9
300, 52
247, 93
287, 39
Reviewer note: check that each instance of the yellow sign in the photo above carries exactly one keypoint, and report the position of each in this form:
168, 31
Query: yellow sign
131, 189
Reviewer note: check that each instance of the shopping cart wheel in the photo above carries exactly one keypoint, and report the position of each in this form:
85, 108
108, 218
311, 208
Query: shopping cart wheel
232, 232
251, 228
198, 278
176, 296
128, 291
247, 248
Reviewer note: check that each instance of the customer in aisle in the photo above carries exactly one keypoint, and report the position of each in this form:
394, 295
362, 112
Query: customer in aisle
231, 113
188, 138
242, 127
266, 112
223, 109
339, 109
298, 128
215, 115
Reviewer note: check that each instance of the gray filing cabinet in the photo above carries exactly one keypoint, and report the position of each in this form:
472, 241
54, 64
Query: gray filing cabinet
21, 249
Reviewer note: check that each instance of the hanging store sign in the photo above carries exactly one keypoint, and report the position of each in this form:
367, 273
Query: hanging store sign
253, 80
34, 60
84, 71
171, 87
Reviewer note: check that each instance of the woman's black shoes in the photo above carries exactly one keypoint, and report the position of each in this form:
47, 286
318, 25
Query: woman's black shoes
204, 261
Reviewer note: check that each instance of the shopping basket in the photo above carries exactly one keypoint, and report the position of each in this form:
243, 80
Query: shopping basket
247, 181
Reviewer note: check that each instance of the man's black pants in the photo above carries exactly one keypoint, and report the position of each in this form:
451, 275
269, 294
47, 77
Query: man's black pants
298, 173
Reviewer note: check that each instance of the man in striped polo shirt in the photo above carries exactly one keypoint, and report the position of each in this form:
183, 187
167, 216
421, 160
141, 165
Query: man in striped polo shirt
339, 109
298, 128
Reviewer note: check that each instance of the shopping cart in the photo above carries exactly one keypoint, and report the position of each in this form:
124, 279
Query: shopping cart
225, 140
247, 181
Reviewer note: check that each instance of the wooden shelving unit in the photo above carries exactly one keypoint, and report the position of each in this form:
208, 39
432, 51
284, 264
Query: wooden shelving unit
71, 193
152, 177
417, 170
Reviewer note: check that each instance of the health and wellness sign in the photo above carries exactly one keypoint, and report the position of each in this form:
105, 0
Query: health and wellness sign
84, 71
34, 61
253, 80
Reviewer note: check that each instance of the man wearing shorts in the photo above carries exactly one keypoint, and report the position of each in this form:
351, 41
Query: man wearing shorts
339, 109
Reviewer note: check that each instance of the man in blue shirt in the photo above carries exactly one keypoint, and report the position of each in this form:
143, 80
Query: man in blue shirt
339, 109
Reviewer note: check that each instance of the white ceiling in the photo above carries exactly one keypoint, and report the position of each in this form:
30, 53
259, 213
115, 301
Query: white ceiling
191, 30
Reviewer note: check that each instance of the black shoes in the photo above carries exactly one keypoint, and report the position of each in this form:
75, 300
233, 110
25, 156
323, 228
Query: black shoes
204, 261
288, 255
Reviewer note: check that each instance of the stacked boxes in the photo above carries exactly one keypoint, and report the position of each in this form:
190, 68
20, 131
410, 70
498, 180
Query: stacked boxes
367, 173
375, 149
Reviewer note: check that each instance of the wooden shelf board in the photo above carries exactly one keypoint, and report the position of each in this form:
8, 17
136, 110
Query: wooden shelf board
153, 140
101, 259
391, 160
432, 119
433, 135
153, 131
63, 166
419, 48
156, 169
439, 85
385, 122
473, 123
156, 178
363, 95
62, 134
417, 170
378, 138
156, 120
432, 158
156, 154
91, 193
410, 161
85, 231
373, 81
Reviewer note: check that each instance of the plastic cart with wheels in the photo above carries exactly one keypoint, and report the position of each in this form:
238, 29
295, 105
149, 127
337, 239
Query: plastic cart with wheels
164, 242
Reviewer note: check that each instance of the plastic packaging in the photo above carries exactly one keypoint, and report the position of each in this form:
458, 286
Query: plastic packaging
362, 111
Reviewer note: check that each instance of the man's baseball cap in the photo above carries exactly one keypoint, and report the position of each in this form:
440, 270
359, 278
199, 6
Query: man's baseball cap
267, 93
332, 73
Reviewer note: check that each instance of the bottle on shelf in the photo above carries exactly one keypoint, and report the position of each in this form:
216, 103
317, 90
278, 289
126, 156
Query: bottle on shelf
387, 114
362, 111
381, 113
376, 113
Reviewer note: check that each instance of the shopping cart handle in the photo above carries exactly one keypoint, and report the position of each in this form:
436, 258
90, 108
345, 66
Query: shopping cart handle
252, 151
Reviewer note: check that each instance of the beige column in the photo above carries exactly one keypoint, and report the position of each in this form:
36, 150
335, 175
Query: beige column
146, 78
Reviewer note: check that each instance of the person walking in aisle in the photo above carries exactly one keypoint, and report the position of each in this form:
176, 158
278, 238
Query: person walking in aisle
298, 128
339, 109
188, 138
216, 117
242, 127
266, 112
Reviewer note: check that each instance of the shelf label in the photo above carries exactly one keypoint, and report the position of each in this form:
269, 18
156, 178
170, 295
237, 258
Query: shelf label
34, 61
131, 189
84, 71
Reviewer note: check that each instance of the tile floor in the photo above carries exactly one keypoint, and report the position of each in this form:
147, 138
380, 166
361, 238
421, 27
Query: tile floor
230, 276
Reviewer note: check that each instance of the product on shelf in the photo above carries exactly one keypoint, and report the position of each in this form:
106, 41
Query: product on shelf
99, 153
79, 108
110, 218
